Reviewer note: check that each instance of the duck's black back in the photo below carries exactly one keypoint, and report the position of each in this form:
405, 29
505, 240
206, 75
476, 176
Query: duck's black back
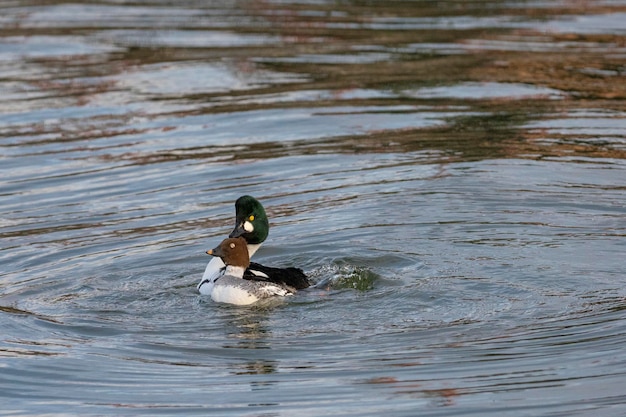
291, 277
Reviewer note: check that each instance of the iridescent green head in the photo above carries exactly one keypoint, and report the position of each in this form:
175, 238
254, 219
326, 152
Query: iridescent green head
250, 220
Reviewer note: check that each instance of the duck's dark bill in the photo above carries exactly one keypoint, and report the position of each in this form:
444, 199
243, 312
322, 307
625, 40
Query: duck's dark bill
238, 231
214, 252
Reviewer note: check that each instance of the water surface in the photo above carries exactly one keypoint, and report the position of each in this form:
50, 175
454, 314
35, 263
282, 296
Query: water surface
451, 174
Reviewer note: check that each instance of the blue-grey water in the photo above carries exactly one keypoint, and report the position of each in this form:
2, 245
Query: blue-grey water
452, 175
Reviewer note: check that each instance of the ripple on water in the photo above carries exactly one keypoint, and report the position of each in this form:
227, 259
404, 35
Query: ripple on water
479, 91
455, 193
165, 79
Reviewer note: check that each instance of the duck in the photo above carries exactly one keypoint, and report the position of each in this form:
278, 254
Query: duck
252, 225
231, 287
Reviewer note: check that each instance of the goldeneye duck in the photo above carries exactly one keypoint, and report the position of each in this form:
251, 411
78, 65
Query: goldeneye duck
231, 287
251, 224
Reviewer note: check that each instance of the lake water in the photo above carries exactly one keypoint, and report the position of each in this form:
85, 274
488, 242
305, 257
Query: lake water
451, 174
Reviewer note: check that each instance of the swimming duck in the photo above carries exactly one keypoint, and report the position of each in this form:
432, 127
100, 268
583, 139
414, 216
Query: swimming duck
252, 225
231, 287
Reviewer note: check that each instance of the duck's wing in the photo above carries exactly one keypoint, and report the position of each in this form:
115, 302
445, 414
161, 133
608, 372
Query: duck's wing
290, 277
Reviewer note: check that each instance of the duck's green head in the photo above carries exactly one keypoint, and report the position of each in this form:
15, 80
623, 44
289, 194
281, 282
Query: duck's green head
250, 220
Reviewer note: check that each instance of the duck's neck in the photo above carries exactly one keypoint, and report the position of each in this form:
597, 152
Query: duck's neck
235, 271
252, 248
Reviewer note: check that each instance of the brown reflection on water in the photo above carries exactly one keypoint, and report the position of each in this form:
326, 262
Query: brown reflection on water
585, 74
442, 397
587, 67
338, 48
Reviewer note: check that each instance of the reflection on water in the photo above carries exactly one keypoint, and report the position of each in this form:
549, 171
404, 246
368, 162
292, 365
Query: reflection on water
449, 174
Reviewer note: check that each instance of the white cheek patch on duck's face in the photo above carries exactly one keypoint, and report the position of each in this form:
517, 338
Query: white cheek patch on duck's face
248, 227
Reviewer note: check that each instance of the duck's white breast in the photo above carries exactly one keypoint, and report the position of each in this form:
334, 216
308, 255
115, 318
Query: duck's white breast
211, 273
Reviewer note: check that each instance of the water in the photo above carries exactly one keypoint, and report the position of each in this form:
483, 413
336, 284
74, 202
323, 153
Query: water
451, 173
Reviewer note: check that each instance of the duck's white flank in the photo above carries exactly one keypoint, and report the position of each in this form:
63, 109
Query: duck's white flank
234, 290
231, 293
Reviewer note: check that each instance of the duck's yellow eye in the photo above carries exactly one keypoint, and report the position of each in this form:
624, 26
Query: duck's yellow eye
232, 246
251, 218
